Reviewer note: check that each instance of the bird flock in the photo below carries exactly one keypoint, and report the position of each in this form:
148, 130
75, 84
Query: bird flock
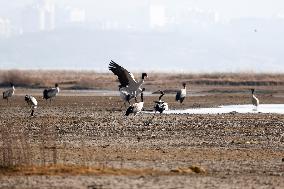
49, 93
129, 88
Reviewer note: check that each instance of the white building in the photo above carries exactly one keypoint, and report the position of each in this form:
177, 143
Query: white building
69, 16
39, 17
167, 16
5, 27
77, 15
196, 16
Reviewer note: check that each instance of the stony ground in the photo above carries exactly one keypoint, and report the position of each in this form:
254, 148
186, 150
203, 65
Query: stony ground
234, 150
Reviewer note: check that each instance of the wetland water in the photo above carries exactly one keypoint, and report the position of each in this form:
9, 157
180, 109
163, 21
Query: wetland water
246, 108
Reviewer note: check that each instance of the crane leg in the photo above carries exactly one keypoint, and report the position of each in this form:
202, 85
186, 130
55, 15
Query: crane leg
124, 105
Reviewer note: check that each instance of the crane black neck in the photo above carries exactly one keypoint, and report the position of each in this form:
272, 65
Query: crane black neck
160, 97
142, 99
144, 75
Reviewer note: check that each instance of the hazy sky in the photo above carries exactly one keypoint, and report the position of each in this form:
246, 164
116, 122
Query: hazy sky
241, 45
226, 8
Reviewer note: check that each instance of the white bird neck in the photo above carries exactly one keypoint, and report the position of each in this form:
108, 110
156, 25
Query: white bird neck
57, 88
140, 82
13, 88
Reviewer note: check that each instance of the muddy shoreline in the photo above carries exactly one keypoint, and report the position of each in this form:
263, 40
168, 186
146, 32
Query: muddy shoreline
236, 150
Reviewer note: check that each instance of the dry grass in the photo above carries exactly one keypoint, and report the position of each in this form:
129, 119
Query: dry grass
45, 78
55, 170
94, 80
228, 79
82, 135
191, 169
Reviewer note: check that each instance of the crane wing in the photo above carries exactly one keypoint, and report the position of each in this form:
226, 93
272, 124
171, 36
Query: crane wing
125, 77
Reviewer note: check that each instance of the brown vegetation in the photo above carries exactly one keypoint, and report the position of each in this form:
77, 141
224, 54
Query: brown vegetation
67, 170
95, 80
45, 78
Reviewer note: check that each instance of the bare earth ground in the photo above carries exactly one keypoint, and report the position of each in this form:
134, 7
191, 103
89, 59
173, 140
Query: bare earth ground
77, 128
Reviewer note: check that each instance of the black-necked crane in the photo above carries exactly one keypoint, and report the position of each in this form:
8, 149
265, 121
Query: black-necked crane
51, 92
9, 93
136, 107
31, 101
125, 96
181, 94
160, 105
254, 100
128, 84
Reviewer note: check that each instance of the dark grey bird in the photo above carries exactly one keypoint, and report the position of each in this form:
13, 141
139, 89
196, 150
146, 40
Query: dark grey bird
51, 92
181, 94
128, 84
9, 93
32, 102
160, 105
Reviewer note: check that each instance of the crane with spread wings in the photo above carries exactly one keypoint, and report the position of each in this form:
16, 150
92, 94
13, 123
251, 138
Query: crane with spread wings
129, 87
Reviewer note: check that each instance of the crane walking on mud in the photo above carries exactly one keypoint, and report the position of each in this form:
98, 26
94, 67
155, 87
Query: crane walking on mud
181, 94
254, 100
32, 102
51, 92
9, 93
160, 105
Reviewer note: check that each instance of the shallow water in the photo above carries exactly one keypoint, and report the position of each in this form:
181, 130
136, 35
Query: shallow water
246, 108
